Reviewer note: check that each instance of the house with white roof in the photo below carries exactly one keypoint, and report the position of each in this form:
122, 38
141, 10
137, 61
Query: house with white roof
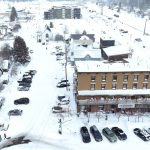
83, 39
112, 86
47, 34
79, 53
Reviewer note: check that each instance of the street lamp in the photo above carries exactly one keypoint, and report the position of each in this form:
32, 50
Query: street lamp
146, 19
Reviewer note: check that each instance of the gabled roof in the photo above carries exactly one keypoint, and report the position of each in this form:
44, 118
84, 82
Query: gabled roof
85, 52
47, 28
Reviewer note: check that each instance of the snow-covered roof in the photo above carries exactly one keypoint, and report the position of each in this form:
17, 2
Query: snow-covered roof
84, 37
83, 52
115, 92
105, 66
78, 36
116, 50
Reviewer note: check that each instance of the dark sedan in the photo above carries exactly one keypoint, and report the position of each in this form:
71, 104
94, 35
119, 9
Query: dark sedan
119, 133
23, 100
85, 134
96, 134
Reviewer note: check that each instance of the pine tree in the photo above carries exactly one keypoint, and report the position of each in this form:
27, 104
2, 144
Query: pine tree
20, 50
13, 15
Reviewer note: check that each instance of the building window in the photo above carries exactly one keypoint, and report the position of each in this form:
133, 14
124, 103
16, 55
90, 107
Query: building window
93, 77
114, 78
125, 77
124, 86
103, 86
146, 77
144, 85
135, 78
103, 77
92, 87
134, 85
113, 86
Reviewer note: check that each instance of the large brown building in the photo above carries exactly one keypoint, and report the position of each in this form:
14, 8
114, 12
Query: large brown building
112, 86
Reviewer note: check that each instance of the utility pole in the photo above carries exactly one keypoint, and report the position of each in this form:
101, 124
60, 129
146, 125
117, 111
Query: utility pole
67, 44
66, 49
145, 26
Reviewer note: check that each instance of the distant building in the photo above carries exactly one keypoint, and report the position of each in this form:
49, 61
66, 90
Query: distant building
76, 13
63, 12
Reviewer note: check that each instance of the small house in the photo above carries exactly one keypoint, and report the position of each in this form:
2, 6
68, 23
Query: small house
47, 34
83, 39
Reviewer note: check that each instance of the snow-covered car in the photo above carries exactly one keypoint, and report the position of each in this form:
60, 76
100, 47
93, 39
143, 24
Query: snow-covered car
25, 84
64, 84
141, 134
60, 54
32, 72
23, 88
15, 112
57, 109
63, 102
63, 97
60, 109
59, 58
146, 134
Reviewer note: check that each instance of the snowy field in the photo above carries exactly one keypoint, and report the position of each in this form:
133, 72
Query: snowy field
37, 122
